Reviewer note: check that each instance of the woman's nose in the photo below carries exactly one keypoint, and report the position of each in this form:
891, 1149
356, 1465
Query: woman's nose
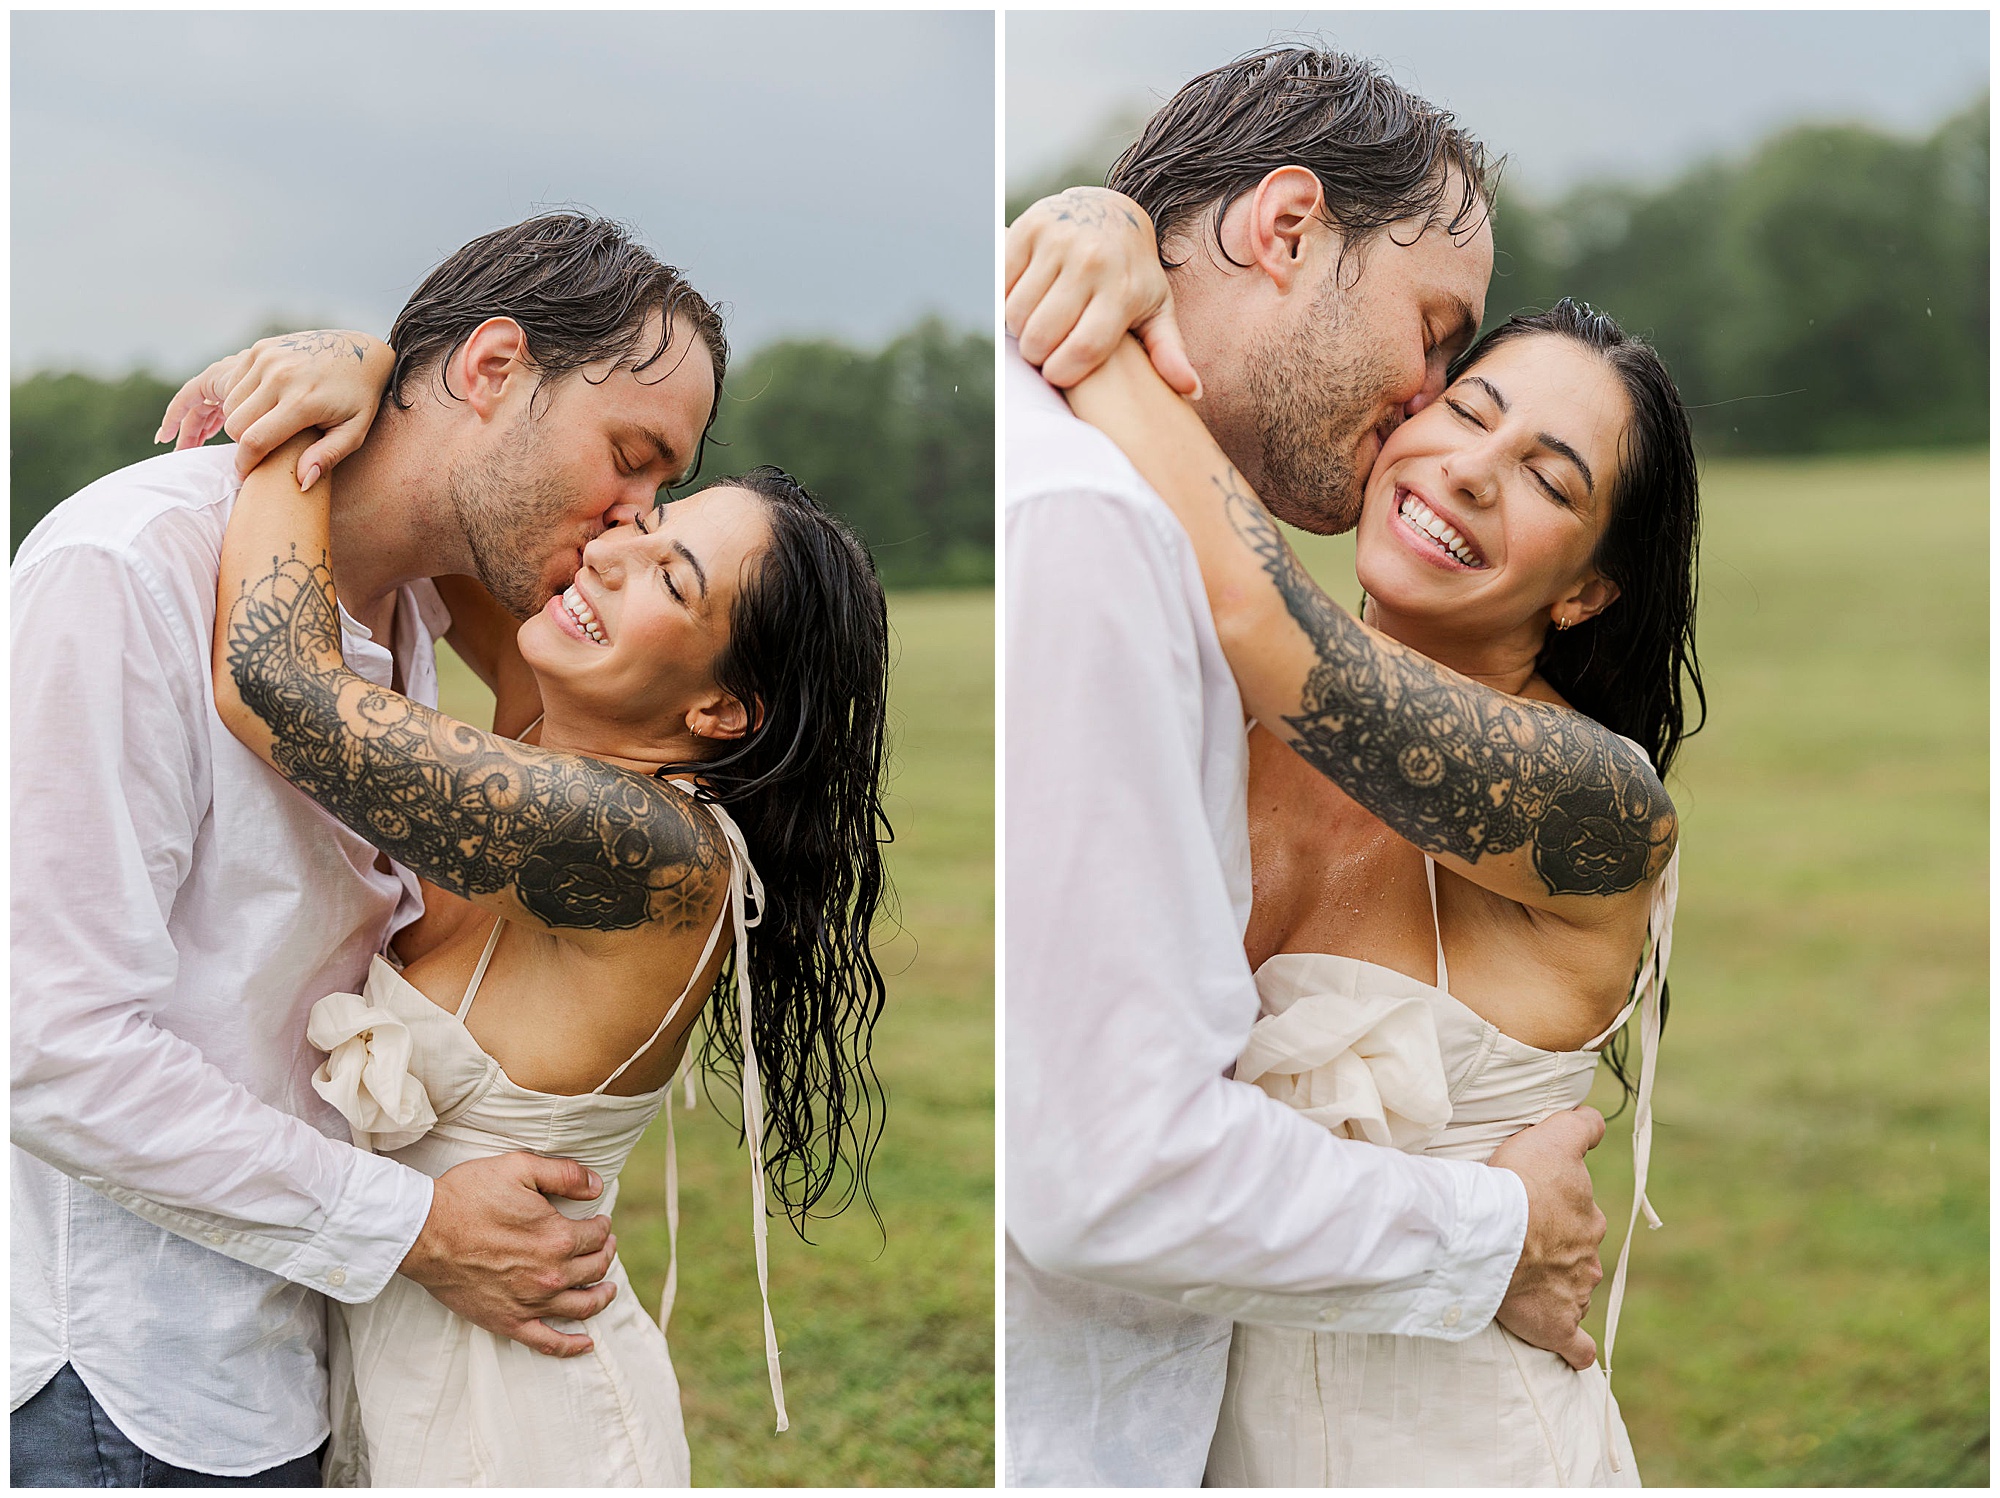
605, 552
1471, 473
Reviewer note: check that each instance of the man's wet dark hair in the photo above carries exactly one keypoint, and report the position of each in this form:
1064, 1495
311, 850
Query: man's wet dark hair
1382, 155
583, 290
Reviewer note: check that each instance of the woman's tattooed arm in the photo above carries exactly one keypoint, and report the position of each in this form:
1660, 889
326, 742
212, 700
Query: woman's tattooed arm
563, 841
1531, 800
1457, 768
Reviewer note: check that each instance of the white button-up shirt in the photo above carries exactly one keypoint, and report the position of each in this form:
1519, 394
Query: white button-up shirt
182, 1198
1152, 1200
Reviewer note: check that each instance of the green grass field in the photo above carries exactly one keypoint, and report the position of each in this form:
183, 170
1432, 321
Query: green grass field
1815, 1310
888, 1345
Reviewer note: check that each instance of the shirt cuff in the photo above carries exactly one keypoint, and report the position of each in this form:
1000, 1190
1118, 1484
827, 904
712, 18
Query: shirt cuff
1480, 1254
368, 1233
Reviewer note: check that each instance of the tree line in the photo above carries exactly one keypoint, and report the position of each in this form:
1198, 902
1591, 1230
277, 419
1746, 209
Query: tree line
898, 441
1826, 291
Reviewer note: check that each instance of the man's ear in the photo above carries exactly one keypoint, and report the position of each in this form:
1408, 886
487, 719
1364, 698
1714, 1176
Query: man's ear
1287, 210
490, 365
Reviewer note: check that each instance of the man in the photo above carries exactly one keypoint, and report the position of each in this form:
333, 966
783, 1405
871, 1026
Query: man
1327, 239
182, 1198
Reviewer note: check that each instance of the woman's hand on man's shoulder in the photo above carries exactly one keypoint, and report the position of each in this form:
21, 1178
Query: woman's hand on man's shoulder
326, 379
1083, 270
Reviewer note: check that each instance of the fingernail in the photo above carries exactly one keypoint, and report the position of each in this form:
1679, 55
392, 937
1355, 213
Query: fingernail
312, 477
596, 1181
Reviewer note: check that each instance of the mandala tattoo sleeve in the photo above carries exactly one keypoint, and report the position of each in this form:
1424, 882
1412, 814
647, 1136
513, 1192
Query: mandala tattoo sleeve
576, 843
1455, 767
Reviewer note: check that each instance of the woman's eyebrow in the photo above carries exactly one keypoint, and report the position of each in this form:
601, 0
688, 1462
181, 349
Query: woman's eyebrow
1554, 444
1563, 449
700, 576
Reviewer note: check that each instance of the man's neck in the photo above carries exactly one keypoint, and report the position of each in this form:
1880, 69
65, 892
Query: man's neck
1209, 316
391, 522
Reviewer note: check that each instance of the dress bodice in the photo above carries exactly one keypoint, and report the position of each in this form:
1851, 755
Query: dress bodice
476, 1109
1422, 1072
1372, 1053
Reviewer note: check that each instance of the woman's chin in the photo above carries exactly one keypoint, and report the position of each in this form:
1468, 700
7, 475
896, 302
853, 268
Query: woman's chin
1391, 590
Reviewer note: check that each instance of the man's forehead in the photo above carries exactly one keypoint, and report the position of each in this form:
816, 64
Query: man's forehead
669, 392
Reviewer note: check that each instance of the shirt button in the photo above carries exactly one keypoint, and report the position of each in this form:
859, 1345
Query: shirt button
213, 1235
336, 1277
1451, 1316
1329, 1315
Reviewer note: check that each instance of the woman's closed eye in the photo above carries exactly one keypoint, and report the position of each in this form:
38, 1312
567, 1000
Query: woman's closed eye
1549, 486
1465, 413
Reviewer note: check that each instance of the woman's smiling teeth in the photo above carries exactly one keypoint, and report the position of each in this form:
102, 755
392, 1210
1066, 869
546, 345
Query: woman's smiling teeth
583, 614
1423, 518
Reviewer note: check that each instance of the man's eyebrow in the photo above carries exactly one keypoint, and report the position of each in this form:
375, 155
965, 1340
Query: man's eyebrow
1562, 448
1490, 388
701, 577
1468, 321
664, 448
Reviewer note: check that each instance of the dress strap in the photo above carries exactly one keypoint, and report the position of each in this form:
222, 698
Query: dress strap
1437, 926
744, 887
700, 967
1652, 979
1624, 1014
479, 972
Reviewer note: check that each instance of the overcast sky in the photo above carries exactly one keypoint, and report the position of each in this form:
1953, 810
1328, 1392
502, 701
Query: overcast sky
1567, 95
181, 179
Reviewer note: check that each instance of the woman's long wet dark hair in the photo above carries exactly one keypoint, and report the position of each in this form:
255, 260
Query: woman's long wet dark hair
809, 647
1631, 666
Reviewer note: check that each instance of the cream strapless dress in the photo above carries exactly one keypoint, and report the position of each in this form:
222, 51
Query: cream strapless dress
423, 1398
1375, 1054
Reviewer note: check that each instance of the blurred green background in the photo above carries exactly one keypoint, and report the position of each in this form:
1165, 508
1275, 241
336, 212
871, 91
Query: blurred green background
887, 1334
1814, 1312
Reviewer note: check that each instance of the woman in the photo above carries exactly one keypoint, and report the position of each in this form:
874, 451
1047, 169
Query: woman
1533, 529
719, 662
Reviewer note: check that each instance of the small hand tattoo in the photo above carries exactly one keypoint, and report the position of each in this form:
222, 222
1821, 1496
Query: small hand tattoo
325, 341
1452, 766
1091, 207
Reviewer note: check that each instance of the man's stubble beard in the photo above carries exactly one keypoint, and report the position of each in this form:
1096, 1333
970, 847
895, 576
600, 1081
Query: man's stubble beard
506, 504
1313, 397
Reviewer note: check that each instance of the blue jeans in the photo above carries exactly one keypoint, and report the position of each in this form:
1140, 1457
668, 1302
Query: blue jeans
61, 1438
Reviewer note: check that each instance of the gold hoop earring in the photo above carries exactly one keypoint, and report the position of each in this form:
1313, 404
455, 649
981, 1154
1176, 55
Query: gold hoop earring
1562, 623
